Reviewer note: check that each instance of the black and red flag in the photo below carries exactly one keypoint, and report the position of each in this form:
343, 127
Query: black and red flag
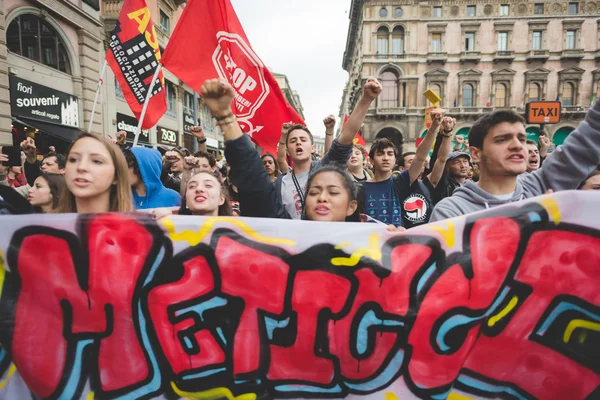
133, 55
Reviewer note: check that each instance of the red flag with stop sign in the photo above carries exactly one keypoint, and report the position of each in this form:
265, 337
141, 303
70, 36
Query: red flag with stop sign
209, 42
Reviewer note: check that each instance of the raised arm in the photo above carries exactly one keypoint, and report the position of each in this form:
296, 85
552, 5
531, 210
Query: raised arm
438, 168
281, 151
572, 162
370, 92
247, 173
329, 122
423, 150
198, 133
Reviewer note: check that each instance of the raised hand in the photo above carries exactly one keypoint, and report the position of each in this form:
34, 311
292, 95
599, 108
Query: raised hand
372, 89
544, 145
28, 147
51, 149
218, 95
121, 137
436, 116
448, 124
190, 162
460, 139
197, 131
329, 122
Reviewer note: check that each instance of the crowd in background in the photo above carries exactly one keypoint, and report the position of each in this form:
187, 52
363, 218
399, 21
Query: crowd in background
446, 176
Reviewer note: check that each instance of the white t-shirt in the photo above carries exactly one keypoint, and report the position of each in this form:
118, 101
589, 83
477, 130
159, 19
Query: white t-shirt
289, 193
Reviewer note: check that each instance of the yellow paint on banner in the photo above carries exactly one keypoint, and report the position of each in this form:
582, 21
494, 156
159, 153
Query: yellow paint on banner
343, 246
193, 238
2, 273
390, 396
579, 323
552, 207
90, 396
509, 307
213, 394
11, 371
373, 251
446, 233
456, 396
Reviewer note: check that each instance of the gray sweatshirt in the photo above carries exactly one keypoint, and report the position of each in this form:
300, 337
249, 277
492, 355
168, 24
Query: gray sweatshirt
568, 166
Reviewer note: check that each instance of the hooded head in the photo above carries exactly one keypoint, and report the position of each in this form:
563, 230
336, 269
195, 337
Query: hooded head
146, 165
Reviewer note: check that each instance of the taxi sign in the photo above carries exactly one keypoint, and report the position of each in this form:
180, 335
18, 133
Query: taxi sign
543, 112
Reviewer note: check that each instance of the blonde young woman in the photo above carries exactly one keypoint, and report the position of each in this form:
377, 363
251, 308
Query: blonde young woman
96, 178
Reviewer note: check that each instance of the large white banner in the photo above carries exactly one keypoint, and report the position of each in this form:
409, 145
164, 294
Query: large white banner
499, 304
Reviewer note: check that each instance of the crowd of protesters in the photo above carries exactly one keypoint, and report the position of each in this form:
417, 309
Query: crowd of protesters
495, 166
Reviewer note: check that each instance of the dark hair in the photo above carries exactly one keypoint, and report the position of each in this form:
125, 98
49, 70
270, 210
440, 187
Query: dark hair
594, 173
208, 156
60, 159
56, 182
380, 145
132, 162
302, 128
482, 126
224, 209
405, 154
347, 182
529, 141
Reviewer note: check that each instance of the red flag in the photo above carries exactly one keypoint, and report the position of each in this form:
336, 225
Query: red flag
358, 139
209, 42
133, 55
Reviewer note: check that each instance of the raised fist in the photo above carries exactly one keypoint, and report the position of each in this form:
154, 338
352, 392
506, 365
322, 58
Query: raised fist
460, 139
218, 95
190, 162
121, 137
197, 131
448, 123
544, 143
171, 156
329, 122
436, 116
51, 149
372, 89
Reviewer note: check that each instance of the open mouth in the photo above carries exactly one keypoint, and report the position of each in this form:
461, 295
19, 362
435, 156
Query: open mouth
516, 157
200, 199
299, 151
81, 182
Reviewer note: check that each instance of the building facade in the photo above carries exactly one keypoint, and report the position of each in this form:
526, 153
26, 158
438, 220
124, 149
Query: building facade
291, 95
50, 54
478, 56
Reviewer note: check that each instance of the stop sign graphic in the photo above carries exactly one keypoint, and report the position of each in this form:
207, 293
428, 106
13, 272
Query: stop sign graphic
236, 62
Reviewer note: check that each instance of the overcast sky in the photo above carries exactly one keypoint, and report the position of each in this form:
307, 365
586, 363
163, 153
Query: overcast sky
305, 40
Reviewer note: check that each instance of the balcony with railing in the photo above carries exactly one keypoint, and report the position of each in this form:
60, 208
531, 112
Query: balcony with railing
437, 56
470, 56
111, 8
504, 55
538, 55
571, 55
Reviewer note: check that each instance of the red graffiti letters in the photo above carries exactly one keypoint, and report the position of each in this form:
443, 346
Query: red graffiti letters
513, 313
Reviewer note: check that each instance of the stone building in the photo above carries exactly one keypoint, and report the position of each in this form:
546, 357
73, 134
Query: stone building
50, 55
478, 56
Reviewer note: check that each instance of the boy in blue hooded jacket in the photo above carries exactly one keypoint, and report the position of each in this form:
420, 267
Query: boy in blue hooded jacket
145, 167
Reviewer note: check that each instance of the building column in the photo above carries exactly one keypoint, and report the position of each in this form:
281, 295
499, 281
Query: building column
90, 61
5, 119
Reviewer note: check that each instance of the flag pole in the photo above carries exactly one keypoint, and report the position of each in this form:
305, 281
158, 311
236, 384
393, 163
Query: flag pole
100, 83
143, 114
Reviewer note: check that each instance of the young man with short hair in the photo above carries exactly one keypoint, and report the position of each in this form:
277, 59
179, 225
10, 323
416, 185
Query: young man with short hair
401, 200
299, 144
498, 146
173, 167
406, 160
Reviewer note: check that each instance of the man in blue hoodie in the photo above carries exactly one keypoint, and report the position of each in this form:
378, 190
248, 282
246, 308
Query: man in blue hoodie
145, 167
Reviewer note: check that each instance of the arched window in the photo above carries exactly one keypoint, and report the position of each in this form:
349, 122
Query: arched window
389, 95
383, 12
535, 92
568, 94
30, 36
398, 40
383, 37
500, 95
467, 95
